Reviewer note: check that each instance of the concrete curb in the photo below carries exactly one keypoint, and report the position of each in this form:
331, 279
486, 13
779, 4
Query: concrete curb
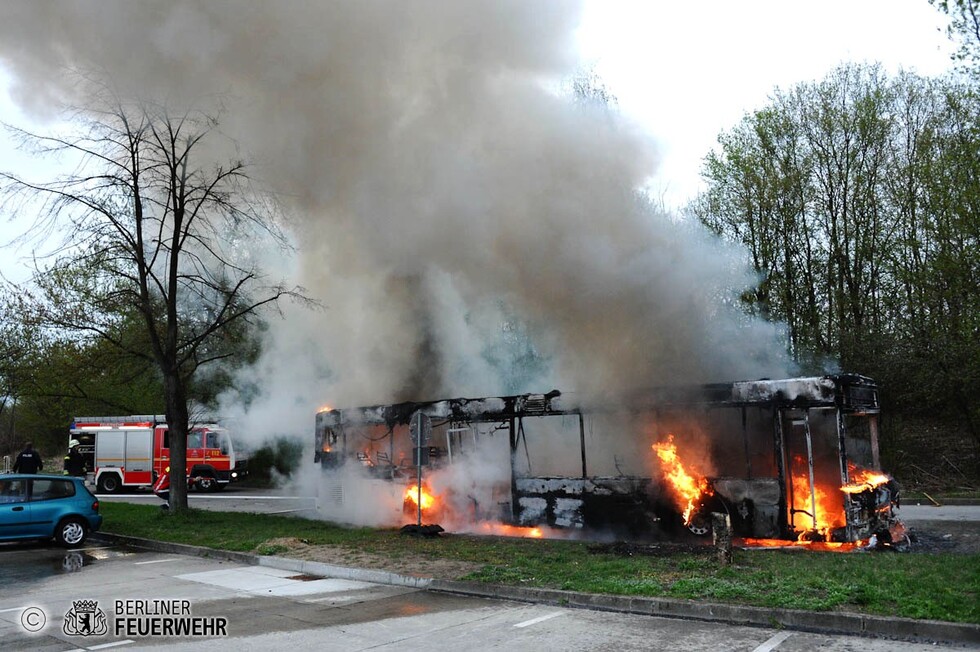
908, 629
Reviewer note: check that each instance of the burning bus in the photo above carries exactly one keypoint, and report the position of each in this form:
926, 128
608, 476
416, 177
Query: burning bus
791, 459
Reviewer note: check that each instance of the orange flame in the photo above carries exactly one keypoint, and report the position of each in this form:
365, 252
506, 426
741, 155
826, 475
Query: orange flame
823, 546
412, 495
685, 486
862, 479
500, 529
826, 509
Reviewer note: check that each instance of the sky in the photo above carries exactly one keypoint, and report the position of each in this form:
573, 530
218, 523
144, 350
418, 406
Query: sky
688, 71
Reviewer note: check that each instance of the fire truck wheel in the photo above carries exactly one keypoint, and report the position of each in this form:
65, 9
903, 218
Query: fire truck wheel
109, 483
71, 532
206, 484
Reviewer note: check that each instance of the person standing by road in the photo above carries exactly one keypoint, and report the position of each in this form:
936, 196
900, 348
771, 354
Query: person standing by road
162, 488
29, 460
74, 460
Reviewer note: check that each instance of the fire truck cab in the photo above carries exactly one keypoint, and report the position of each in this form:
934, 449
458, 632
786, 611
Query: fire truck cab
132, 451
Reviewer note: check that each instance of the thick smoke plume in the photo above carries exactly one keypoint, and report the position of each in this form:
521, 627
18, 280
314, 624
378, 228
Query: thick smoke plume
469, 229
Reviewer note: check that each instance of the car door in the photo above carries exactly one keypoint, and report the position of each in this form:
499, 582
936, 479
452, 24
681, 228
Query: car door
15, 511
51, 498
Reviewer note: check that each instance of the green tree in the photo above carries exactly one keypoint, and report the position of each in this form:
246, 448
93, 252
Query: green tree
858, 200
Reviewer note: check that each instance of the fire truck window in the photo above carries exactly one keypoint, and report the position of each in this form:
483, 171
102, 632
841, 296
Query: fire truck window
166, 439
194, 439
212, 439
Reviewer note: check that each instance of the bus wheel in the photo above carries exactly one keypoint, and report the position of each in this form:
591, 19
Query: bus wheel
109, 483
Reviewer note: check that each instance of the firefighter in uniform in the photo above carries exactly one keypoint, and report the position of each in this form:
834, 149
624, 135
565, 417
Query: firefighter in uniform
74, 460
162, 487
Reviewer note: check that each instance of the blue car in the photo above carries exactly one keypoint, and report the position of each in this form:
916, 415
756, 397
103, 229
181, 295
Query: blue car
47, 506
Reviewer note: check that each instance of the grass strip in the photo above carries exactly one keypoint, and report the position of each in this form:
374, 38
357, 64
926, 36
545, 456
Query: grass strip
938, 586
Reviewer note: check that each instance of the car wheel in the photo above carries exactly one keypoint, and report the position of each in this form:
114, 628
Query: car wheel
71, 532
205, 484
109, 483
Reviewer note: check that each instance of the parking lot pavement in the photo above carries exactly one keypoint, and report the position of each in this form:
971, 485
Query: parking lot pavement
42, 589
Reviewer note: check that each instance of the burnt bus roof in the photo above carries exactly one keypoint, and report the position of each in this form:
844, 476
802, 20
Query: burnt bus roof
463, 409
851, 393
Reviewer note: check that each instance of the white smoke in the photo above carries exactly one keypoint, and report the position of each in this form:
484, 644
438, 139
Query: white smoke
444, 196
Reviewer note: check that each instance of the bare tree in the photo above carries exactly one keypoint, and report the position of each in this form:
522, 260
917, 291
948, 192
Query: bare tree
158, 222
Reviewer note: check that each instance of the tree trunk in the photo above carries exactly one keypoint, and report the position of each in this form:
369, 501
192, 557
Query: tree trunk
177, 423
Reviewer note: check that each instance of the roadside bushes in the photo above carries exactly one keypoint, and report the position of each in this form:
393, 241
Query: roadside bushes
277, 458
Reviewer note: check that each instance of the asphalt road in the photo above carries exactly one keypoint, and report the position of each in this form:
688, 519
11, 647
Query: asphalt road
232, 499
263, 608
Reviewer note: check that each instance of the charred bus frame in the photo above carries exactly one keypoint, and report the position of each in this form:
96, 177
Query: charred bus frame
817, 425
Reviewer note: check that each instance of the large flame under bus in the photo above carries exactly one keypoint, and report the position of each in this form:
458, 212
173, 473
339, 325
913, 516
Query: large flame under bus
792, 459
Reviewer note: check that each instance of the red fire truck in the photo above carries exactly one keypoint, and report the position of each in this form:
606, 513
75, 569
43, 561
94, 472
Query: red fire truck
131, 451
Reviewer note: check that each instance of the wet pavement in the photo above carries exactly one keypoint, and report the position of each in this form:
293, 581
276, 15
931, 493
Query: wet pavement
22, 564
260, 608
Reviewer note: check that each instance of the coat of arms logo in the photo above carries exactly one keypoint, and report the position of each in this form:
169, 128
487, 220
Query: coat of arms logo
85, 619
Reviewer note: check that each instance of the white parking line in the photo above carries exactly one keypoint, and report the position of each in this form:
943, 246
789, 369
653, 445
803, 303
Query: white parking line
153, 561
535, 621
289, 511
3, 611
102, 646
773, 642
